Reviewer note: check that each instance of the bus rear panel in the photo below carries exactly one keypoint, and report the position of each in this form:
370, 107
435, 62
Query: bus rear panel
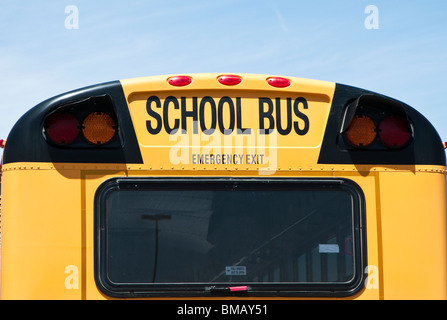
216, 185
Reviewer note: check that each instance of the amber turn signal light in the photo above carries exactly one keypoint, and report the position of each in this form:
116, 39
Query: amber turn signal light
98, 128
361, 131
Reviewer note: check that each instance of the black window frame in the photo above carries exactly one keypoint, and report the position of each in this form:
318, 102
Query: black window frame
350, 288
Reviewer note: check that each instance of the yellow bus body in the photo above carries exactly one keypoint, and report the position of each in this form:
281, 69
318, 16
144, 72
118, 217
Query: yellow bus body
47, 249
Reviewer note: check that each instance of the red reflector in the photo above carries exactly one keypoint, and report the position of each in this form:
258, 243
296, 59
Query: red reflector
395, 132
279, 82
62, 128
179, 81
229, 80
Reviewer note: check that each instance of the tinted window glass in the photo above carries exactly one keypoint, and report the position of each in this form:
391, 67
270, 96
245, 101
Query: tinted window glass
167, 234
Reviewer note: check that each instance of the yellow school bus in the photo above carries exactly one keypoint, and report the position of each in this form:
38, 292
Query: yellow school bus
227, 186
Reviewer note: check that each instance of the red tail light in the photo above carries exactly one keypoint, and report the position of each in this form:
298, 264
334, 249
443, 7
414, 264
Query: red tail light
62, 128
394, 131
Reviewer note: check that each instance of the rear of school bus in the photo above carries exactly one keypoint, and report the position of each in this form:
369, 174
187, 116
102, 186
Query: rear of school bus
235, 186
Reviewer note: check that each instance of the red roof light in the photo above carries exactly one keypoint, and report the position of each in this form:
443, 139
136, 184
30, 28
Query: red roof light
279, 82
179, 81
229, 80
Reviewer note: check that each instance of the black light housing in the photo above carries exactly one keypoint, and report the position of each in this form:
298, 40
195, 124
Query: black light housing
374, 122
94, 117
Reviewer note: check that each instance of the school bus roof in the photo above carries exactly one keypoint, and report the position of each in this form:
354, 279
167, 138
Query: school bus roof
181, 121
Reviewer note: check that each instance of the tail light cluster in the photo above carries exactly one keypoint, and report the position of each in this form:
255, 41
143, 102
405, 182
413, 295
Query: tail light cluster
374, 122
91, 122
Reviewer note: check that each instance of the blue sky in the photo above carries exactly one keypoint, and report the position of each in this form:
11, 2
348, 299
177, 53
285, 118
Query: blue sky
406, 58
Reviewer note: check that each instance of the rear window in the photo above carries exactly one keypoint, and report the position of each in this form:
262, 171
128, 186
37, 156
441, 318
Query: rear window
203, 237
